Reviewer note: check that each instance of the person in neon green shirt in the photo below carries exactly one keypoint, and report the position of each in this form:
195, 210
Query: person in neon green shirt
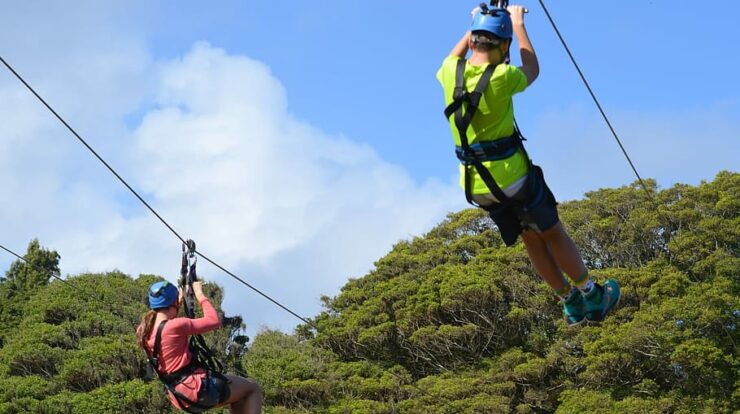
494, 118
495, 170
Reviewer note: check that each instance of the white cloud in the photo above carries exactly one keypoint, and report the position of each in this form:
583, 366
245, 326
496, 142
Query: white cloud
293, 210
93, 69
263, 191
217, 151
579, 154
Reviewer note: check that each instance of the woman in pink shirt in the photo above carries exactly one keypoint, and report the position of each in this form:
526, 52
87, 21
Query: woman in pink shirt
190, 386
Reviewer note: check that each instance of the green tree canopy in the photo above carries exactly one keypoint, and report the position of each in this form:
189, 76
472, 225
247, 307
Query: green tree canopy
449, 322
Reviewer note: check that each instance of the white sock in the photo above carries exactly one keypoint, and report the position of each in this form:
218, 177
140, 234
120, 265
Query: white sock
585, 289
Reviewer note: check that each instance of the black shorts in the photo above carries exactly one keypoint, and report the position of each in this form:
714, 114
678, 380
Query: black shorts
214, 390
534, 207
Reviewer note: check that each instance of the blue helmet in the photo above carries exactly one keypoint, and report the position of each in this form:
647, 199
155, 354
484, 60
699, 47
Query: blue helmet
162, 295
496, 21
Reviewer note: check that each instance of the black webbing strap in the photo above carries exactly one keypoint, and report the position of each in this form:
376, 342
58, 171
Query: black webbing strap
171, 380
204, 355
463, 118
158, 344
499, 149
459, 94
188, 275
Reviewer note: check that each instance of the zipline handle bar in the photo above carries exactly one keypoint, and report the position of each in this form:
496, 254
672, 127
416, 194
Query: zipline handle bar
499, 4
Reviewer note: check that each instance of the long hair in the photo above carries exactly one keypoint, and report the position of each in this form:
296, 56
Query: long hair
144, 330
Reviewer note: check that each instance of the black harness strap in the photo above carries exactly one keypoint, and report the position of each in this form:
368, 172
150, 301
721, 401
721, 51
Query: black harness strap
202, 356
198, 346
463, 118
188, 276
171, 380
459, 95
157, 346
474, 156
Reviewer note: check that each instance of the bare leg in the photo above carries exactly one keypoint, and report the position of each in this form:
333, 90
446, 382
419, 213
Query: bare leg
565, 253
246, 395
543, 261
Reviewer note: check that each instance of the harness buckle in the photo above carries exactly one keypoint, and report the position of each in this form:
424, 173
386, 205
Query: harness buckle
479, 153
459, 93
470, 156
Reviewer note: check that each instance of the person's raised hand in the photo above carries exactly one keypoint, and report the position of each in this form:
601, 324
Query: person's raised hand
198, 290
517, 14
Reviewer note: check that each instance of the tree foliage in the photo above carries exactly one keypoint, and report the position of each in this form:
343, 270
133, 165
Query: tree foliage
470, 327
71, 348
450, 322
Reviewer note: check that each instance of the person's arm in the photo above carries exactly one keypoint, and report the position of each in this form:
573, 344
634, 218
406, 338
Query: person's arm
461, 48
530, 65
209, 322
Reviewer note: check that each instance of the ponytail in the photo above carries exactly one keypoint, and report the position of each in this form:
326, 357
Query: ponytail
144, 330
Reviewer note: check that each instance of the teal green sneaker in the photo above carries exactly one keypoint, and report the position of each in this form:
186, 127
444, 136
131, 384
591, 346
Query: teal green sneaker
601, 300
574, 308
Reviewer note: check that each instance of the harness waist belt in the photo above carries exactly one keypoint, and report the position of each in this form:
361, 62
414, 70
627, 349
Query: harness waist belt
489, 150
179, 375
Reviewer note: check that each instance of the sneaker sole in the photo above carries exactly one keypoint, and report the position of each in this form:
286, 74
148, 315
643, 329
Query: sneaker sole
574, 324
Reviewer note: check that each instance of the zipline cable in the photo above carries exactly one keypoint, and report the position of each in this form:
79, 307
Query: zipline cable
223, 269
20, 78
236, 369
84, 292
151, 209
66, 282
596, 101
567, 49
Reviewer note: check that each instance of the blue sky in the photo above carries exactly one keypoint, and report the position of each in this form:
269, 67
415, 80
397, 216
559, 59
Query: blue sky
662, 57
343, 94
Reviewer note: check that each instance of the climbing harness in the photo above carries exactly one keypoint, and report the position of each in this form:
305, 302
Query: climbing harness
170, 381
202, 356
464, 105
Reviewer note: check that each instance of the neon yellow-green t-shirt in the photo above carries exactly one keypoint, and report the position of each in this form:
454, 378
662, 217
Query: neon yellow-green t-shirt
493, 120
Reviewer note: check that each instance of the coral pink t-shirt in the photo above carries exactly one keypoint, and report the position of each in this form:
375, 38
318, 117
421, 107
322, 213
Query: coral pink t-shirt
175, 353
